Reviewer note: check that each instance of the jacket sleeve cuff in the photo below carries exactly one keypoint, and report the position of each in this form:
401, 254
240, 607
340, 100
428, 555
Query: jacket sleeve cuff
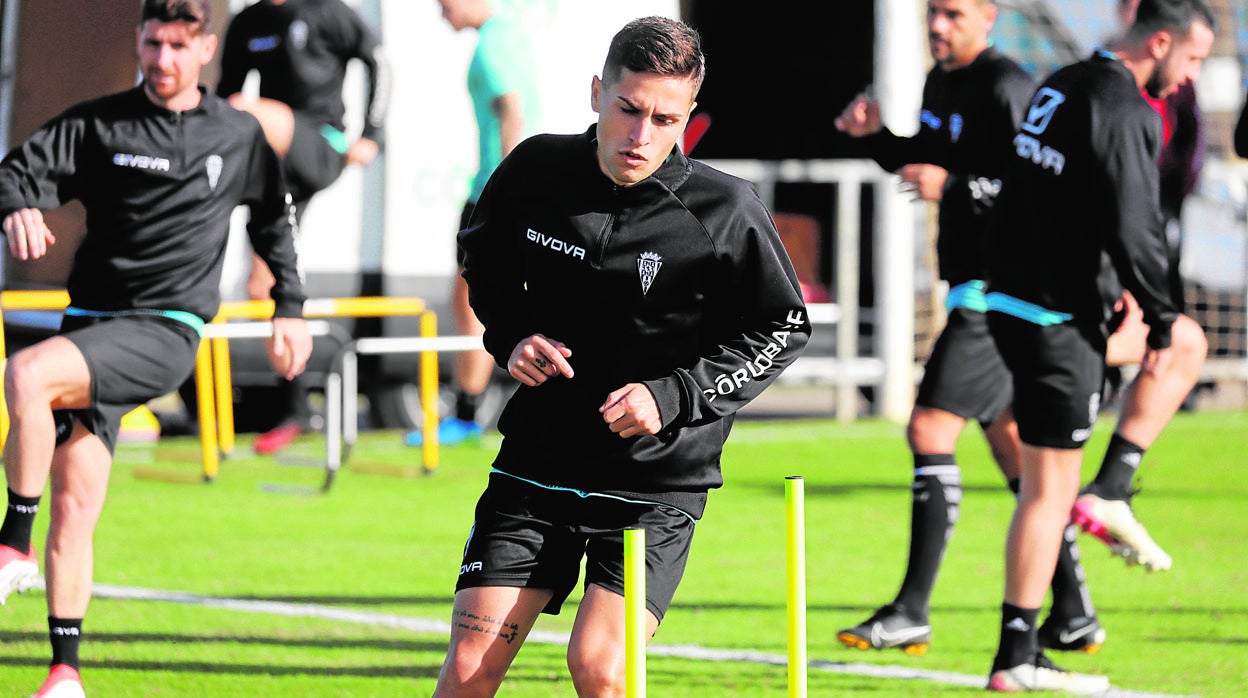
1159, 337
288, 307
667, 394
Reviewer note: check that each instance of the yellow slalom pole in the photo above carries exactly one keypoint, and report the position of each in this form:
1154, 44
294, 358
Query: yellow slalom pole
430, 453
635, 612
208, 444
795, 555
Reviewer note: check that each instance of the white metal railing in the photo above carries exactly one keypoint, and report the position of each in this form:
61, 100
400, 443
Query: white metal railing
889, 366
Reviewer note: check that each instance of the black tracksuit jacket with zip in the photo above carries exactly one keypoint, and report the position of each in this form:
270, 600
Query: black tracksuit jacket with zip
679, 282
159, 188
969, 115
1084, 184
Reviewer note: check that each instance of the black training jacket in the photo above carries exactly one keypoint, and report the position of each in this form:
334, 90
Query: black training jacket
969, 115
679, 281
301, 49
159, 188
1084, 182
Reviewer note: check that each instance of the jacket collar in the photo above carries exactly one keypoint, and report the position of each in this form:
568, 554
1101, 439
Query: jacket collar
671, 174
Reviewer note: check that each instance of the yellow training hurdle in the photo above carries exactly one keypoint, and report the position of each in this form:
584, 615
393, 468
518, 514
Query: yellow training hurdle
213, 380
22, 300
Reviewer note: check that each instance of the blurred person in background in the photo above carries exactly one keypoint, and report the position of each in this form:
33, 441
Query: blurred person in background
301, 49
502, 85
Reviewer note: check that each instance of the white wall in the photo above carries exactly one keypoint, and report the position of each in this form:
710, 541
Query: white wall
431, 131
431, 141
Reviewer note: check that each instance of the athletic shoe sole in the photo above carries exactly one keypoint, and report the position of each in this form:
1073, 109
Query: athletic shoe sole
914, 649
18, 575
1028, 677
1113, 523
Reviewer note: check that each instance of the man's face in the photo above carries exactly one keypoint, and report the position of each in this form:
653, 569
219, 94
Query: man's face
1181, 62
171, 55
640, 118
957, 30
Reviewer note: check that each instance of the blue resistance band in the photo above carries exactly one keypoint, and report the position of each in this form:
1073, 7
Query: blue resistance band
194, 321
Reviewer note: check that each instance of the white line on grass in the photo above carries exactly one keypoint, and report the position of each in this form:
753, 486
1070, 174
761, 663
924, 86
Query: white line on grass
426, 625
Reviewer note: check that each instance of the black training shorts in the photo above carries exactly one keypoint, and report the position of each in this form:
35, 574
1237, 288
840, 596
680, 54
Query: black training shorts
313, 163
965, 374
533, 537
131, 359
1058, 373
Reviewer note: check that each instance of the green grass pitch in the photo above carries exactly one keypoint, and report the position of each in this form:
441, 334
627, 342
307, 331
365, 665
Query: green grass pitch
385, 548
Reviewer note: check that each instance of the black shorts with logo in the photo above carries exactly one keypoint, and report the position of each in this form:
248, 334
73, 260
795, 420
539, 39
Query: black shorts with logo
533, 537
1058, 374
131, 359
965, 373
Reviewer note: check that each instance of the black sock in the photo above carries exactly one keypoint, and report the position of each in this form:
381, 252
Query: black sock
1071, 598
65, 634
1113, 479
1019, 643
466, 405
936, 494
294, 393
19, 519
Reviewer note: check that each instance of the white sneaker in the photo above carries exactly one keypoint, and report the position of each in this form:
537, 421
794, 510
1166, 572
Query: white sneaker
63, 682
18, 571
1040, 674
1113, 522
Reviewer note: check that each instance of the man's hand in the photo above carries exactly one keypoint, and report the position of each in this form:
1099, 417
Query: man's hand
289, 347
28, 235
362, 152
632, 411
537, 359
926, 181
860, 118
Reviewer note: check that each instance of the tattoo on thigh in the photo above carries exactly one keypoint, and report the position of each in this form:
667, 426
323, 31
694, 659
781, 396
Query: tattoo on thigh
486, 625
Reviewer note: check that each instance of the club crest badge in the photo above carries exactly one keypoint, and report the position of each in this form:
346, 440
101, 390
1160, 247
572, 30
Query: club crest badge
298, 34
214, 164
648, 265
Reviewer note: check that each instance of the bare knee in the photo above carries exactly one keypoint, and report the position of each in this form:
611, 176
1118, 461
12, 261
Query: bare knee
1189, 343
468, 675
597, 673
933, 431
25, 379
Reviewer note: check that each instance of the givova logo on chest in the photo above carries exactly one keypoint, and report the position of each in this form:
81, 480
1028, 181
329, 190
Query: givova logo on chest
555, 244
141, 162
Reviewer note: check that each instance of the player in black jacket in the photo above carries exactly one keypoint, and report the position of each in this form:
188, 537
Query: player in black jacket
641, 299
301, 50
159, 169
1084, 185
973, 100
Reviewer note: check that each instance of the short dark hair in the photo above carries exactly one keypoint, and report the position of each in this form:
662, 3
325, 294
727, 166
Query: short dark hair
1169, 15
659, 45
195, 12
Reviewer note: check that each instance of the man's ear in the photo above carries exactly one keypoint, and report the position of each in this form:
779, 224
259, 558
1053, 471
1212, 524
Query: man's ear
595, 90
209, 49
1159, 44
990, 14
